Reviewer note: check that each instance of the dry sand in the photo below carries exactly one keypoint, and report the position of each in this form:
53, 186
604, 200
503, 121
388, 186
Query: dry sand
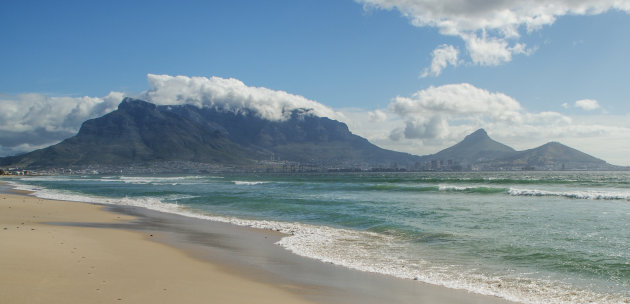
45, 263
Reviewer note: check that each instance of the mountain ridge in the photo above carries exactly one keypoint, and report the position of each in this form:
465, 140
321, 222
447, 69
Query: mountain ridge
478, 151
140, 132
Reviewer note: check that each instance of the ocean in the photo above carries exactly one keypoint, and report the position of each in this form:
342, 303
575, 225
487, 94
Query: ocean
530, 237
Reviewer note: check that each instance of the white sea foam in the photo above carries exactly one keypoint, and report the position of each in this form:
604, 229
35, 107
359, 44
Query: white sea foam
249, 183
368, 251
475, 188
586, 194
455, 188
156, 179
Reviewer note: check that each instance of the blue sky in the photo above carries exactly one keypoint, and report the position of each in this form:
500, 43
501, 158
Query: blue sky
360, 58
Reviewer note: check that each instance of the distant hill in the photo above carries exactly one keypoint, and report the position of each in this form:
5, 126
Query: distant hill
552, 156
141, 132
479, 152
475, 148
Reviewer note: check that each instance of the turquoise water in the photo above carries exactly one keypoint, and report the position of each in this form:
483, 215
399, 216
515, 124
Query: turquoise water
530, 237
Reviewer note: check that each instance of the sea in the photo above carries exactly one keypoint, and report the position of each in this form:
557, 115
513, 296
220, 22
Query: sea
530, 237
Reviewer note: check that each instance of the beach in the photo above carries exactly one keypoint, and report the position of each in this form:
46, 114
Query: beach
45, 263
72, 252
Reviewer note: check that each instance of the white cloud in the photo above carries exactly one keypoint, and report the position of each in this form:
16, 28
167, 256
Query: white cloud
457, 100
32, 121
587, 104
429, 115
491, 29
435, 127
443, 55
377, 116
438, 117
231, 95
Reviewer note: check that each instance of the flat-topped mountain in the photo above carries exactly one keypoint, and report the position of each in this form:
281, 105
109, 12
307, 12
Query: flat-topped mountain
141, 132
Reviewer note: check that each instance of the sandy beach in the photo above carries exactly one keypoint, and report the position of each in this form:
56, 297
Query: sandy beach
44, 263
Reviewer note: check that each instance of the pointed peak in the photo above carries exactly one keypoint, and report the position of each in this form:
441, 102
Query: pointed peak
477, 135
480, 132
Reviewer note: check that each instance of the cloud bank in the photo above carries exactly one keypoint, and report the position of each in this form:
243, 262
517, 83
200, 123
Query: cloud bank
32, 121
231, 95
490, 29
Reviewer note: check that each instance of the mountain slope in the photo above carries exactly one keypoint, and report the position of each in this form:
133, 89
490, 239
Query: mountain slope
302, 137
553, 156
140, 132
480, 152
137, 132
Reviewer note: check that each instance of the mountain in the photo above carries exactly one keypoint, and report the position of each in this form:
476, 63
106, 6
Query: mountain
301, 138
480, 152
137, 132
476, 147
553, 156
141, 132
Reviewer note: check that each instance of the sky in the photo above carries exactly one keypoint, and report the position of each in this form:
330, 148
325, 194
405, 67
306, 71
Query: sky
409, 75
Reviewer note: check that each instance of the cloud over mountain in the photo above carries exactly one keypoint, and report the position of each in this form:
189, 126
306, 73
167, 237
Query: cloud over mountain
32, 121
231, 95
490, 29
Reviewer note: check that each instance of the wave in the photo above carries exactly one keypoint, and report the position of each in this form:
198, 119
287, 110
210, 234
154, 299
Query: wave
431, 188
401, 188
489, 190
593, 179
473, 189
590, 195
497, 180
157, 180
249, 183
151, 203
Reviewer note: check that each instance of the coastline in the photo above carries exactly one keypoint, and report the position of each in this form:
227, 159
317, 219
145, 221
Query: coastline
48, 263
206, 260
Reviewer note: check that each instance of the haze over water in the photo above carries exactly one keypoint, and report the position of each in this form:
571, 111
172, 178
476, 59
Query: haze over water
533, 237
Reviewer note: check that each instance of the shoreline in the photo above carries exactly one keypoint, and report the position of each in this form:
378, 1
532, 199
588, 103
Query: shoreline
247, 255
44, 262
